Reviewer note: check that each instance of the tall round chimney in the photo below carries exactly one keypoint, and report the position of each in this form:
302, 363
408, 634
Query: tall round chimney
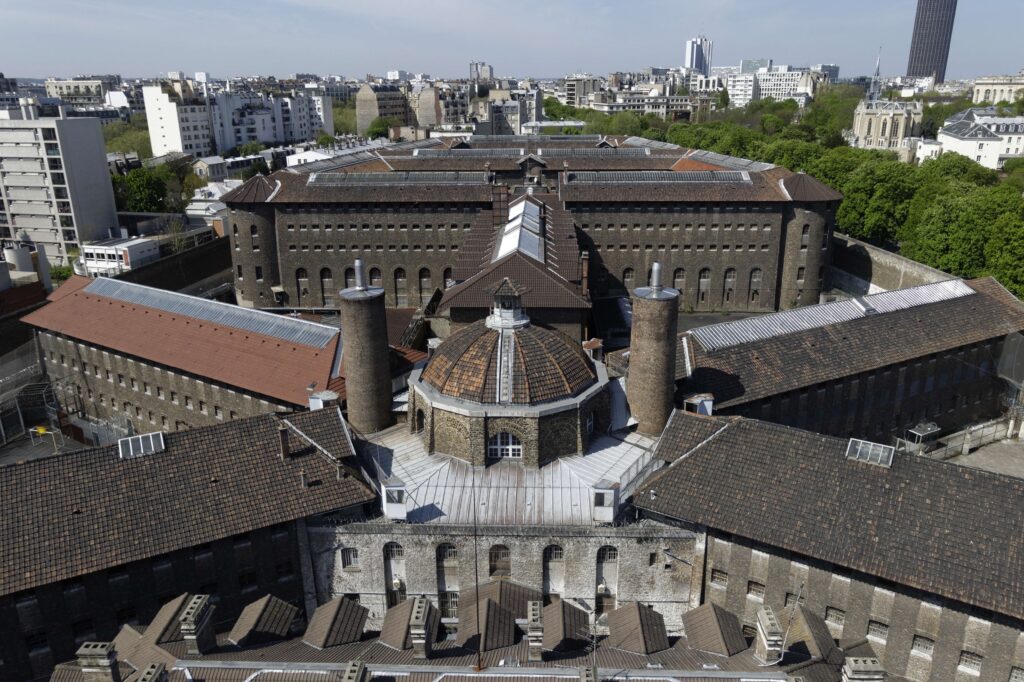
651, 379
365, 355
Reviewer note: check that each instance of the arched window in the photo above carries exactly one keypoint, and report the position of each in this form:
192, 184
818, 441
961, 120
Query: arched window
504, 445
729, 285
401, 290
253, 232
394, 573
607, 554
679, 279
755, 285
554, 570
627, 279
703, 285
350, 277
301, 285
884, 124
326, 287
447, 277
868, 133
375, 278
426, 290
499, 561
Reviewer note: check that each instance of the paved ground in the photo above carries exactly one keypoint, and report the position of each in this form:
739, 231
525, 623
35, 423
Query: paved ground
21, 449
1004, 457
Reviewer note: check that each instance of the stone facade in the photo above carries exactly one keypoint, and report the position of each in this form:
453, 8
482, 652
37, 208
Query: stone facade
45, 626
759, 257
648, 572
109, 387
916, 636
544, 438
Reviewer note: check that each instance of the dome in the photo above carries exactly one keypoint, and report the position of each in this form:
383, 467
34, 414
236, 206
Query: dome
544, 366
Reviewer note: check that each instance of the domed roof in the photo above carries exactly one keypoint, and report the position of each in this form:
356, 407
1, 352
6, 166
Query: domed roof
543, 365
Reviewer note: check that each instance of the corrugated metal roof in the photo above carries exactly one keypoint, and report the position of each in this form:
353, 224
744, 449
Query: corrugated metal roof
733, 162
501, 152
652, 144
397, 178
727, 334
256, 321
594, 151
659, 177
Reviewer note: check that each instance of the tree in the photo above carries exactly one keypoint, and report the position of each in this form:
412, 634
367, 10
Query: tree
379, 127
250, 148
141, 191
132, 136
723, 98
1004, 252
259, 166
324, 139
952, 166
877, 200
344, 114
190, 184
771, 124
60, 273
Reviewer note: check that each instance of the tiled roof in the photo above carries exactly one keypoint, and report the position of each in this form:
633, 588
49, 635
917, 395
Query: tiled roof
750, 371
297, 188
920, 523
263, 620
67, 516
711, 628
218, 350
396, 631
338, 621
256, 190
605, 187
506, 593
20, 297
547, 365
638, 628
565, 626
542, 288
495, 629
803, 187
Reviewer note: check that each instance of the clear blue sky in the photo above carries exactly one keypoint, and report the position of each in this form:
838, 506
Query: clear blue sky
534, 38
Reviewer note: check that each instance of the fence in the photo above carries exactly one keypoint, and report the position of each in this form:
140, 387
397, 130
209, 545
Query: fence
19, 366
964, 442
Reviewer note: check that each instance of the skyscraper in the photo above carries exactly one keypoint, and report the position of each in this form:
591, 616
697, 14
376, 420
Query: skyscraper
698, 55
929, 47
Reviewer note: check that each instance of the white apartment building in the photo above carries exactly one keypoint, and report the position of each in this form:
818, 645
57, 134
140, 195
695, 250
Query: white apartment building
668, 107
178, 120
994, 89
578, 87
785, 82
55, 187
981, 134
743, 89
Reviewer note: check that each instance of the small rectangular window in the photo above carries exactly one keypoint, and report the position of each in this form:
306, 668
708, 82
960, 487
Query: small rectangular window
755, 590
834, 616
878, 630
719, 578
350, 557
923, 646
970, 663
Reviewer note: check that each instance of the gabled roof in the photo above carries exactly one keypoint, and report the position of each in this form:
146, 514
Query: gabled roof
506, 593
803, 187
637, 628
542, 287
565, 626
95, 511
711, 628
396, 631
265, 619
742, 362
495, 629
901, 524
204, 338
338, 621
256, 190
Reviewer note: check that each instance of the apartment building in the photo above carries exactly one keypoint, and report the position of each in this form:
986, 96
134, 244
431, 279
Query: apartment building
83, 90
982, 134
55, 189
178, 119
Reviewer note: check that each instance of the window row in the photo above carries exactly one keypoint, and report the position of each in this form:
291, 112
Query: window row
366, 227
379, 248
399, 283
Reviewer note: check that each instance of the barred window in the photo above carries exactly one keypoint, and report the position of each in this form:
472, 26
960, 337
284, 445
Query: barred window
393, 550
877, 630
755, 590
970, 662
1016, 674
349, 557
834, 616
719, 578
448, 603
924, 646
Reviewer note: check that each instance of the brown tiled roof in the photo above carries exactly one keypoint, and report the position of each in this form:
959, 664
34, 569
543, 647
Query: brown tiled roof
542, 288
20, 297
165, 626
62, 517
265, 619
902, 524
809, 630
547, 366
750, 371
396, 631
637, 628
497, 627
255, 190
763, 187
711, 628
685, 164
803, 187
214, 351
338, 621
689, 433
565, 626
506, 593
294, 189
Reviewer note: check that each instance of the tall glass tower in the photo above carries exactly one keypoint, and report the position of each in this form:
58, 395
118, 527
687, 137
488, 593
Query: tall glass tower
929, 47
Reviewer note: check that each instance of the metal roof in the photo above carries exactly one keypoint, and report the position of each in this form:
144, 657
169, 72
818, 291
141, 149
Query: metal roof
727, 334
651, 144
594, 151
256, 321
654, 177
535, 138
524, 231
485, 153
397, 178
734, 162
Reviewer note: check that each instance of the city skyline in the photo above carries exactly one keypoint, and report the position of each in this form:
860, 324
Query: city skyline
441, 38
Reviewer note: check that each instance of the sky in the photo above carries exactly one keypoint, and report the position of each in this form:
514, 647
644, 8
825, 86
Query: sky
535, 38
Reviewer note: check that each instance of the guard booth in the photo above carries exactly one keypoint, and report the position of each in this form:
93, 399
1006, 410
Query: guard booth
922, 437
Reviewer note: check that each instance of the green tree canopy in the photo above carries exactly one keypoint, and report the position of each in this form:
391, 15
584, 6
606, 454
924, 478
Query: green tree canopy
140, 191
344, 114
258, 166
380, 127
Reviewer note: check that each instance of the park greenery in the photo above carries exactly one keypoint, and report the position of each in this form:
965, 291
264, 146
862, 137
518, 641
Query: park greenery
166, 188
949, 213
345, 117
132, 136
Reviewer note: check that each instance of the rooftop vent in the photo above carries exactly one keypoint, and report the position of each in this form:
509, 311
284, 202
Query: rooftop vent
871, 453
137, 446
863, 306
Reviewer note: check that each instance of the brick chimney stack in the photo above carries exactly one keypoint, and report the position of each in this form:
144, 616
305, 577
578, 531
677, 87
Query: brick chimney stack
651, 377
366, 356
197, 625
98, 661
535, 631
419, 628
768, 643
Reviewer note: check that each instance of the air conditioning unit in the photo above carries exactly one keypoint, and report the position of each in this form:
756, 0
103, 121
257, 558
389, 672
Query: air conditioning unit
602, 589
396, 584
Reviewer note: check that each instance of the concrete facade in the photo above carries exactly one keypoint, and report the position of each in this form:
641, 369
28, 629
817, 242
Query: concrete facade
653, 560
916, 636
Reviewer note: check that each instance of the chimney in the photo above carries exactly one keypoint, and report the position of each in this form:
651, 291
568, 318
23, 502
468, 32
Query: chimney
863, 669
282, 437
154, 672
588, 674
197, 625
534, 631
322, 399
98, 661
419, 629
353, 672
366, 355
651, 377
768, 643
